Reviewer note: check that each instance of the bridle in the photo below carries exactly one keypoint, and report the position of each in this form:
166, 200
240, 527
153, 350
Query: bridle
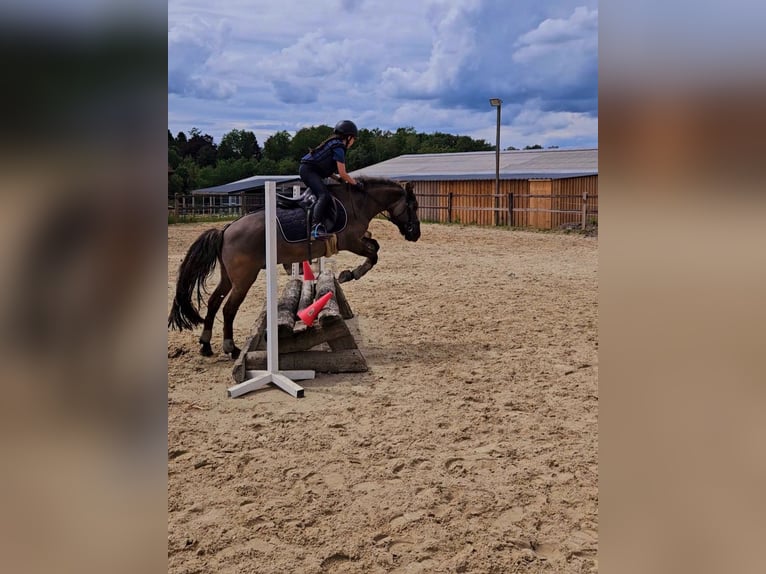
394, 218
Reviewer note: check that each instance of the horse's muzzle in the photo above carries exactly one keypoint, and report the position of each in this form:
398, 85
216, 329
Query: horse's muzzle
412, 232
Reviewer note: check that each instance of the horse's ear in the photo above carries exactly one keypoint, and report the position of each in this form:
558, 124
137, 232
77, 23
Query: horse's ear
409, 187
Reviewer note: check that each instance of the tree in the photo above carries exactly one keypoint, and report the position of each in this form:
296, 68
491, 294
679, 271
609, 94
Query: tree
277, 146
536, 146
405, 141
181, 143
188, 172
201, 148
173, 158
239, 144
308, 138
267, 166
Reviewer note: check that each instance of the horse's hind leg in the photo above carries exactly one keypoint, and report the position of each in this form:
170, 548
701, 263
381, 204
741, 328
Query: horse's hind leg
230, 309
213, 304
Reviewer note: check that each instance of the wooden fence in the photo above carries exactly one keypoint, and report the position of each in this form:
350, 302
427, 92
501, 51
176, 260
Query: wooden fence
182, 207
540, 204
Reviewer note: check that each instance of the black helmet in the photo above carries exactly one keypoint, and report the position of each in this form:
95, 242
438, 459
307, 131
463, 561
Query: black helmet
346, 128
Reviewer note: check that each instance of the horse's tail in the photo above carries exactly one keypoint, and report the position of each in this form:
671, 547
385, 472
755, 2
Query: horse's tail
198, 264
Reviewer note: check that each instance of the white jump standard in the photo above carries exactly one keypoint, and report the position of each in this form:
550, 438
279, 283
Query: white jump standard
272, 374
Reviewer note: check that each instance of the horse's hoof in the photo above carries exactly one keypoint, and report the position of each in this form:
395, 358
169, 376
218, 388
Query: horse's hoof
345, 276
206, 350
235, 353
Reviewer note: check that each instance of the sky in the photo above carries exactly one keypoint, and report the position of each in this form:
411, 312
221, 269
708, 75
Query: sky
433, 65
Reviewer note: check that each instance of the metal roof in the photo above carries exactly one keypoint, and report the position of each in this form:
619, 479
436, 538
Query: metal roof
254, 182
521, 164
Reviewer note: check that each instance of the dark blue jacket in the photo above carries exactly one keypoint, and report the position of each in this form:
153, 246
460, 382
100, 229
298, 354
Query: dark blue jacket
323, 159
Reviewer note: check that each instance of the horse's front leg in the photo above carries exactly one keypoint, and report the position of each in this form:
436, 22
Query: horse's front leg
367, 247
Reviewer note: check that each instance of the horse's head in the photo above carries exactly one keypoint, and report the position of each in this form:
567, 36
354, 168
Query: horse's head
404, 213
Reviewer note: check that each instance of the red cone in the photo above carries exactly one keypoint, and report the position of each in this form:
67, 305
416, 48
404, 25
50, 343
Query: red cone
310, 313
308, 273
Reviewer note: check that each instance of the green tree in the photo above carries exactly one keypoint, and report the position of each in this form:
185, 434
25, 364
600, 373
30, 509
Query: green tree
239, 144
181, 143
267, 166
173, 158
406, 141
175, 184
200, 147
308, 138
287, 166
188, 172
277, 146
536, 146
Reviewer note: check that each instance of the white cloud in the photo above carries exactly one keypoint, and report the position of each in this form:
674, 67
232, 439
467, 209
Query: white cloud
551, 127
453, 45
558, 38
193, 47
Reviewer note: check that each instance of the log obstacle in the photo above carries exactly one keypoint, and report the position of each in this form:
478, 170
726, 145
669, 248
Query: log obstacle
328, 346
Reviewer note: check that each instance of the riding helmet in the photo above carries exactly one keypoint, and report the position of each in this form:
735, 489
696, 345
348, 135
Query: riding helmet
346, 128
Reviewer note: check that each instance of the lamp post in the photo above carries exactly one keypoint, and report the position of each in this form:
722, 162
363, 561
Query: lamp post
497, 103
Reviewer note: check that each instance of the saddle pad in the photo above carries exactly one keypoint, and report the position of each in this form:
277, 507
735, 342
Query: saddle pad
292, 222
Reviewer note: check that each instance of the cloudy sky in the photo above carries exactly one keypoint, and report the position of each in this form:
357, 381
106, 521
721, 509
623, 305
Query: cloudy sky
432, 65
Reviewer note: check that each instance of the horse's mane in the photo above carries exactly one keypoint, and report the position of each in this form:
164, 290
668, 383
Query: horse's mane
379, 180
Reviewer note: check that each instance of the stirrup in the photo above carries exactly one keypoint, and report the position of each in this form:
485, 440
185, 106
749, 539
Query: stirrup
318, 231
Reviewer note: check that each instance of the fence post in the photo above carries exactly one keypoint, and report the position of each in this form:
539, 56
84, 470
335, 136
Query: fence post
449, 208
584, 209
175, 206
510, 210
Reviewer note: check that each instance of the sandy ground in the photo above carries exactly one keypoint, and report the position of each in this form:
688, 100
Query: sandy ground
471, 445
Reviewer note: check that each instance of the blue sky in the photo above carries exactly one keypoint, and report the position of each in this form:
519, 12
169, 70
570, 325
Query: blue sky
429, 64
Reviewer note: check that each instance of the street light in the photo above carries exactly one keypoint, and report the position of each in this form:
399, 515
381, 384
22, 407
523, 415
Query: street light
497, 103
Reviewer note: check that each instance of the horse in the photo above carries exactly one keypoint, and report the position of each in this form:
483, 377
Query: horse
240, 249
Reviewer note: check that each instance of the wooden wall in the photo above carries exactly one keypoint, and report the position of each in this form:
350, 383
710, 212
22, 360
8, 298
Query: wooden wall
466, 201
568, 197
473, 201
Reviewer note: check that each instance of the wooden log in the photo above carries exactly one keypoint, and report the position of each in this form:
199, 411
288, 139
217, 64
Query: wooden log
330, 313
348, 361
316, 335
255, 340
288, 306
307, 295
343, 306
342, 343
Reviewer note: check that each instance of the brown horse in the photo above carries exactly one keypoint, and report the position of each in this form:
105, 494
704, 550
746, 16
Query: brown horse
240, 247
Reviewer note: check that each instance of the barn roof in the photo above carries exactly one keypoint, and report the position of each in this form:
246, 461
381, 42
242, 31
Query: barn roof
522, 164
254, 182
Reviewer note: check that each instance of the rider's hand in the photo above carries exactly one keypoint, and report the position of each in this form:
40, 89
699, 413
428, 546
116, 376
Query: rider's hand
359, 186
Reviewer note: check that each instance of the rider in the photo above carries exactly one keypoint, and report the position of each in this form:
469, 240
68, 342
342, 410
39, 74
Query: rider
321, 162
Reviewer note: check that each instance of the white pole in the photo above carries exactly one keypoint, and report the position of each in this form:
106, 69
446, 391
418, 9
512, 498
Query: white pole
272, 374
272, 293
296, 266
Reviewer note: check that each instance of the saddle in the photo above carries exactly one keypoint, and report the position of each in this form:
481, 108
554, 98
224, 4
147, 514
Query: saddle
294, 216
304, 201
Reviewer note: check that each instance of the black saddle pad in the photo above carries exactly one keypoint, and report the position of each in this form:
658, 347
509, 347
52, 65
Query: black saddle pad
292, 222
